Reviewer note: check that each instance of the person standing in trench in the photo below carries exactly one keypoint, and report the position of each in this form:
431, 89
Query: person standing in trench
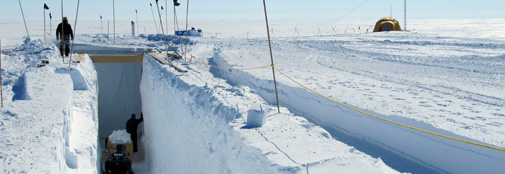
131, 127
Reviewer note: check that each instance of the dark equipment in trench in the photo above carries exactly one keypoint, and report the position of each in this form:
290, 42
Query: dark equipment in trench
119, 162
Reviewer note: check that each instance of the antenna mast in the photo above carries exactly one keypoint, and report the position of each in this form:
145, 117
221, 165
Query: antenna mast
391, 11
405, 15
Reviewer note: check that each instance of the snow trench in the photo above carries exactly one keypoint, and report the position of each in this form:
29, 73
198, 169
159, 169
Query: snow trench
404, 149
186, 127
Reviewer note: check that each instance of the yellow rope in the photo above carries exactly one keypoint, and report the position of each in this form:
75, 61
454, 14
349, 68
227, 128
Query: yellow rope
383, 119
354, 109
240, 69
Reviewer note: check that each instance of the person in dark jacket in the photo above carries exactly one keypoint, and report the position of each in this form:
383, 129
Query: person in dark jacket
131, 127
65, 36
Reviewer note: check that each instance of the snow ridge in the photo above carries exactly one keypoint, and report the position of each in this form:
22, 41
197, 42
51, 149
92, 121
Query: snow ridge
187, 126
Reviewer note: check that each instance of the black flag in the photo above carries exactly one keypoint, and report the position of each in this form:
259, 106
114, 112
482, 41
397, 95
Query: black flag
176, 3
161, 7
151, 4
100, 16
50, 17
156, 1
46, 7
135, 10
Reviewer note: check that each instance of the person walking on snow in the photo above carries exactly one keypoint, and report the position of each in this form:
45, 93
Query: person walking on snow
65, 36
131, 127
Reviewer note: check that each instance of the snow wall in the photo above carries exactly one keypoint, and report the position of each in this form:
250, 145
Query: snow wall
186, 128
404, 149
119, 94
37, 123
84, 153
52, 125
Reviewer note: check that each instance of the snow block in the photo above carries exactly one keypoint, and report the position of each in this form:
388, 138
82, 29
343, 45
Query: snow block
77, 79
120, 137
256, 116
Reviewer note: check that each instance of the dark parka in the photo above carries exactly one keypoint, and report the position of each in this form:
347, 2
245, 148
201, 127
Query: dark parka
65, 36
131, 127
67, 31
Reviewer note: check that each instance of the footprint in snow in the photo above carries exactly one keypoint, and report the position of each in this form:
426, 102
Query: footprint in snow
498, 115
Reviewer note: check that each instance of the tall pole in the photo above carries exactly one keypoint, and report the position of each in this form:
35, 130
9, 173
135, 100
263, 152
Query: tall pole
62, 33
50, 24
405, 15
166, 15
45, 25
1, 87
75, 29
137, 18
175, 20
101, 24
154, 19
114, 20
26, 27
45, 33
391, 11
271, 56
186, 41
161, 25
176, 23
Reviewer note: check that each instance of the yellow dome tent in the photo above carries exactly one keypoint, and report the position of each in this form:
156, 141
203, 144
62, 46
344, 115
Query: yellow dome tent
387, 24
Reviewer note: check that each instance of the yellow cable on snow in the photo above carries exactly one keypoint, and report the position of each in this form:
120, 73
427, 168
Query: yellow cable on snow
354, 109
389, 121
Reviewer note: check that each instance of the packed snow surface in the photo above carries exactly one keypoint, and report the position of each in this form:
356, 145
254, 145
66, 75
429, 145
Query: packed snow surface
447, 78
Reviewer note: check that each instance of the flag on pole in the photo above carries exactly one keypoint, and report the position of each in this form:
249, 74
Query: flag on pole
176, 3
135, 10
100, 17
161, 7
46, 7
156, 1
50, 16
151, 4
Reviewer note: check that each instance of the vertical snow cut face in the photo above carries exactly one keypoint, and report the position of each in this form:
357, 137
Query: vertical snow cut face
19, 89
186, 128
77, 79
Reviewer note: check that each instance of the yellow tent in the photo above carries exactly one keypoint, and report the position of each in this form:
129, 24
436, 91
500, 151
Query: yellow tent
387, 24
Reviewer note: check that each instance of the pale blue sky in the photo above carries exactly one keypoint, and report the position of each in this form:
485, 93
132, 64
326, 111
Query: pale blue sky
253, 10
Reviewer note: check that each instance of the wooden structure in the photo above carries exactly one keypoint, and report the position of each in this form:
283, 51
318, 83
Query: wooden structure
163, 61
111, 148
126, 57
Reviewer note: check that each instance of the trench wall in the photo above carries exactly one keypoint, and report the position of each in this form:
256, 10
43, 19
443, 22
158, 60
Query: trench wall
186, 127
